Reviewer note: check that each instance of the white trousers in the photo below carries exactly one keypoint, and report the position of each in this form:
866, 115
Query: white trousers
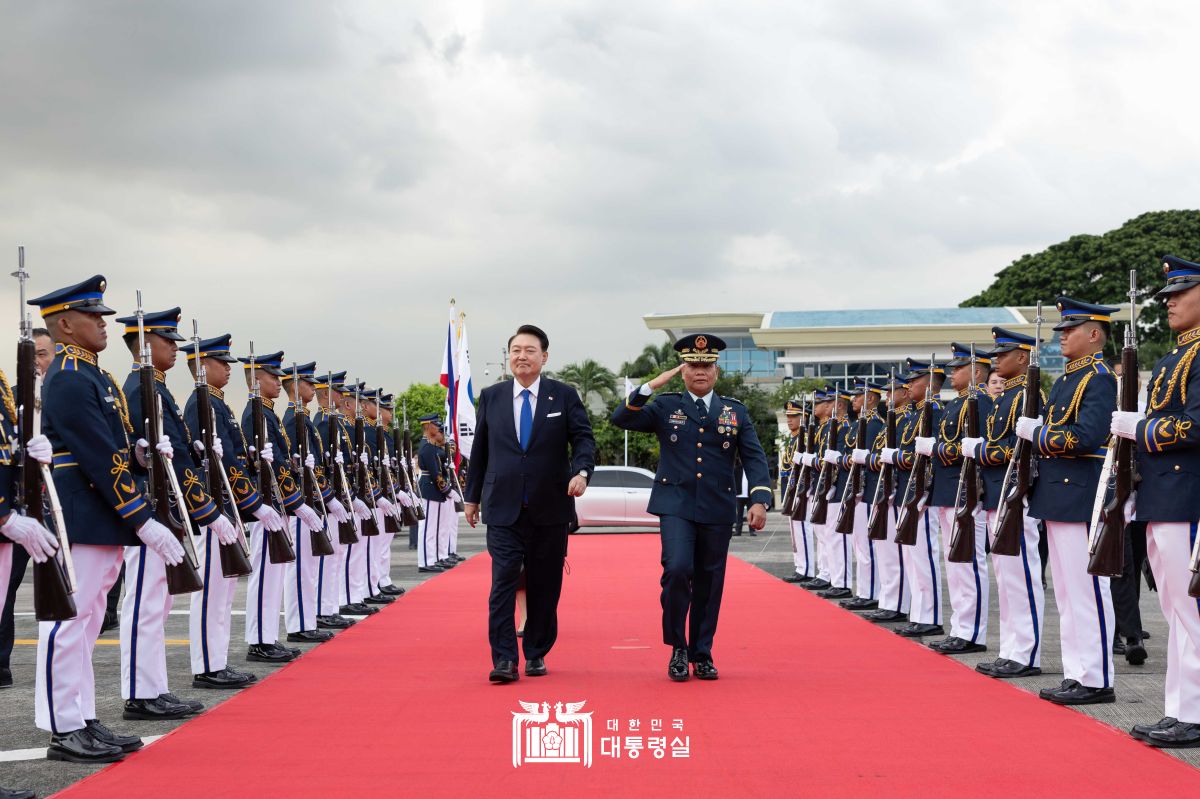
143, 625
889, 565
923, 570
803, 548
433, 539
6, 551
264, 590
329, 571
300, 586
211, 615
353, 583
65, 690
967, 583
866, 575
1169, 549
839, 559
1086, 621
1022, 598
382, 570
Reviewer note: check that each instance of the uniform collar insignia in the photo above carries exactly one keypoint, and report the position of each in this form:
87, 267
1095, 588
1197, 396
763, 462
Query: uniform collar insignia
1085, 361
1013, 382
1188, 337
962, 392
79, 353
216, 392
268, 403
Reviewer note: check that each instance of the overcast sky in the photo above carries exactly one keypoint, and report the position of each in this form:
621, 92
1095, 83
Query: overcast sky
322, 177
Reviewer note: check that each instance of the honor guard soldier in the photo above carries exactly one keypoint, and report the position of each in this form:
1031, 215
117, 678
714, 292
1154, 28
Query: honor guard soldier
303, 574
866, 575
699, 435
382, 506
889, 555
331, 569
147, 602
212, 606
88, 426
966, 583
1168, 500
1018, 582
433, 543
815, 548
802, 547
264, 594
387, 460
1069, 443
840, 558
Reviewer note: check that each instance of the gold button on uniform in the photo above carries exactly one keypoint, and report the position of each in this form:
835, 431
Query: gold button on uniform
699, 460
701, 429
698, 475
1066, 479
699, 444
1177, 467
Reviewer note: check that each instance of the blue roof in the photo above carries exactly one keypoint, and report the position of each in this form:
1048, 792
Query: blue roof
872, 317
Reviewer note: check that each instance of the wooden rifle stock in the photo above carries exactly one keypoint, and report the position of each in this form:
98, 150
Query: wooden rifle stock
917, 490
854, 481
1106, 547
279, 542
962, 540
818, 511
804, 472
1010, 515
362, 479
877, 521
408, 513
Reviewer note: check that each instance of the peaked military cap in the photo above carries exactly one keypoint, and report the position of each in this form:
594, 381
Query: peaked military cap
161, 323
918, 368
1181, 275
271, 363
793, 407
216, 348
304, 371
1076, 312
960, 355
699, 348
1007, 341
87, 296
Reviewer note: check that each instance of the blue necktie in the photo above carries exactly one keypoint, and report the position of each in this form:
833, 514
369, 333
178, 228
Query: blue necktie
526, 419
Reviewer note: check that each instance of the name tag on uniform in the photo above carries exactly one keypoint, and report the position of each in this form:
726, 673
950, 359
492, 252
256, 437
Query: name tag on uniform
110, 398
551, 415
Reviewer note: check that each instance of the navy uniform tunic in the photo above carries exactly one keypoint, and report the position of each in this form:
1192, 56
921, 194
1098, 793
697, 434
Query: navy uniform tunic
876, 434
315, 448
1000, 436
947, 452
435, 472
1070, 446
233, 447
906, 432
291, 496
846, 434
86, 420
1167, 452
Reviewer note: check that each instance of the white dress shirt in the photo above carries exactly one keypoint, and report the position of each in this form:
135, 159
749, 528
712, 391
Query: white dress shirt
518, 401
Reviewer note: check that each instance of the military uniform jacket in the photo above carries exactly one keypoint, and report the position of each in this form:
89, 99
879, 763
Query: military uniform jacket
9, 473
947, 451
323, 426
85, 418
282, 447
821, 444
1071, 445
906, 436
200, 505
1000, 436
694, 480
233, 446
1168, 458
315, 448
435, 472
876, 434
846, 434
787, 452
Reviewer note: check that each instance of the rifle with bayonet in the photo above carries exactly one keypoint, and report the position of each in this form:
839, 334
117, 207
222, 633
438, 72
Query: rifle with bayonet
916, 493
309, 490
408, 513
341, 484
1118, 476
788, 503
804, 471
390, 523
279, 542
1018, 477
970, 483
409, 476
877, 521
166, 500
235, 557
818, 511
852, 493
362, 476
54, 579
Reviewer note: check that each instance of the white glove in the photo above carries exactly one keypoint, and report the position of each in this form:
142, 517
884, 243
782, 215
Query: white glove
924, 446
387, 461
339, 458
310, 461
363, 459
832, 456
39, 449
310, 518
859, 456
165, 447
809, 459
404, 499
268, 452
455, 496
270, 519
159, 538
972, 447
1124, 423
797, 457
384, 505
226, 532
337, 510
1027, 426
361, 511
218, 448
39, 542
888, 455
198, 445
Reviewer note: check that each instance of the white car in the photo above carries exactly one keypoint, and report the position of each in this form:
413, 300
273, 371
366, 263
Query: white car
617, 496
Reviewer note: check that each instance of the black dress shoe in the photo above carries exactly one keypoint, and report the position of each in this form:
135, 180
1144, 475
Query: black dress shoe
310, 637
156, 709
241, 675
835, 593
223, 679
334, 622
6, 680
447, 564
265, 653
917, 630
1135, 653
291, 650
1005, 669
704, 670
1118, 647
111, 622
195, 706
858, 603
505, 671
435, 569
955, 646
794, 577
391, 590
126, 743
1142, 731
677, 669
986, 666
535, 668
1071, 692
884, 616
817, 584
1181, 735
454, 556
16, 793
358, 609
379, 599
81, 746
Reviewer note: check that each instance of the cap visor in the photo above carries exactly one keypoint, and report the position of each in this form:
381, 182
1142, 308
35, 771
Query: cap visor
1175, 288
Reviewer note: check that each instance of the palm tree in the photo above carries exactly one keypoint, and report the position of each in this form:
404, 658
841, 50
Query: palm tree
653, 360
589, 377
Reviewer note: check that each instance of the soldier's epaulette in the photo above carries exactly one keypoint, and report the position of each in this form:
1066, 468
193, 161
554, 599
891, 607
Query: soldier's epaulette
734, 399
671, 394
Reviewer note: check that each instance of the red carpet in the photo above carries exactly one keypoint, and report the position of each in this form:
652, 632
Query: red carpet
811, 702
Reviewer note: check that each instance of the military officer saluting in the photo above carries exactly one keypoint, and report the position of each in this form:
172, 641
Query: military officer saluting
1168, 499
699, 435
88, 426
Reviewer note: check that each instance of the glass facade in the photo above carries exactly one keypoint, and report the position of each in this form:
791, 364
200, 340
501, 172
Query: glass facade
741, 355
871, 370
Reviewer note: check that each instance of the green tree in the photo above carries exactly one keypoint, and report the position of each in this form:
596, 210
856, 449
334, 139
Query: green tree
1096, 269
795, 388
653, 360
421, 399
589, 377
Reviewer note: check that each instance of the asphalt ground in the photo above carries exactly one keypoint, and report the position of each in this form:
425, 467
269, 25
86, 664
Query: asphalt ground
22, 763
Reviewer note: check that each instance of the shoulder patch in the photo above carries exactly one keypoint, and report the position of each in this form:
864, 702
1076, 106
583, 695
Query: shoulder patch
734, 399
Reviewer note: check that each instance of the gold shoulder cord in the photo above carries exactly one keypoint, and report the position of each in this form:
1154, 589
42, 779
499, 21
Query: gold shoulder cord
122, 403
962, 414
910, 433
1072, 408
1158, 400
1013, 412
10, 404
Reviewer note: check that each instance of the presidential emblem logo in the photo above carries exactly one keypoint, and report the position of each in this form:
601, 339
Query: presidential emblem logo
565, 739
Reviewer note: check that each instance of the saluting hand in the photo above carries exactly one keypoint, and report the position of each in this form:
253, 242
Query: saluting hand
664, 378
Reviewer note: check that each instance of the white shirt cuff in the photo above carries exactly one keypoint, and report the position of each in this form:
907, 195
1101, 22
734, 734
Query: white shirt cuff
645, 390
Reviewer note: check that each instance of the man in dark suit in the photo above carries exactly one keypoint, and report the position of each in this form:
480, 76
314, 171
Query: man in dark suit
533, 454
